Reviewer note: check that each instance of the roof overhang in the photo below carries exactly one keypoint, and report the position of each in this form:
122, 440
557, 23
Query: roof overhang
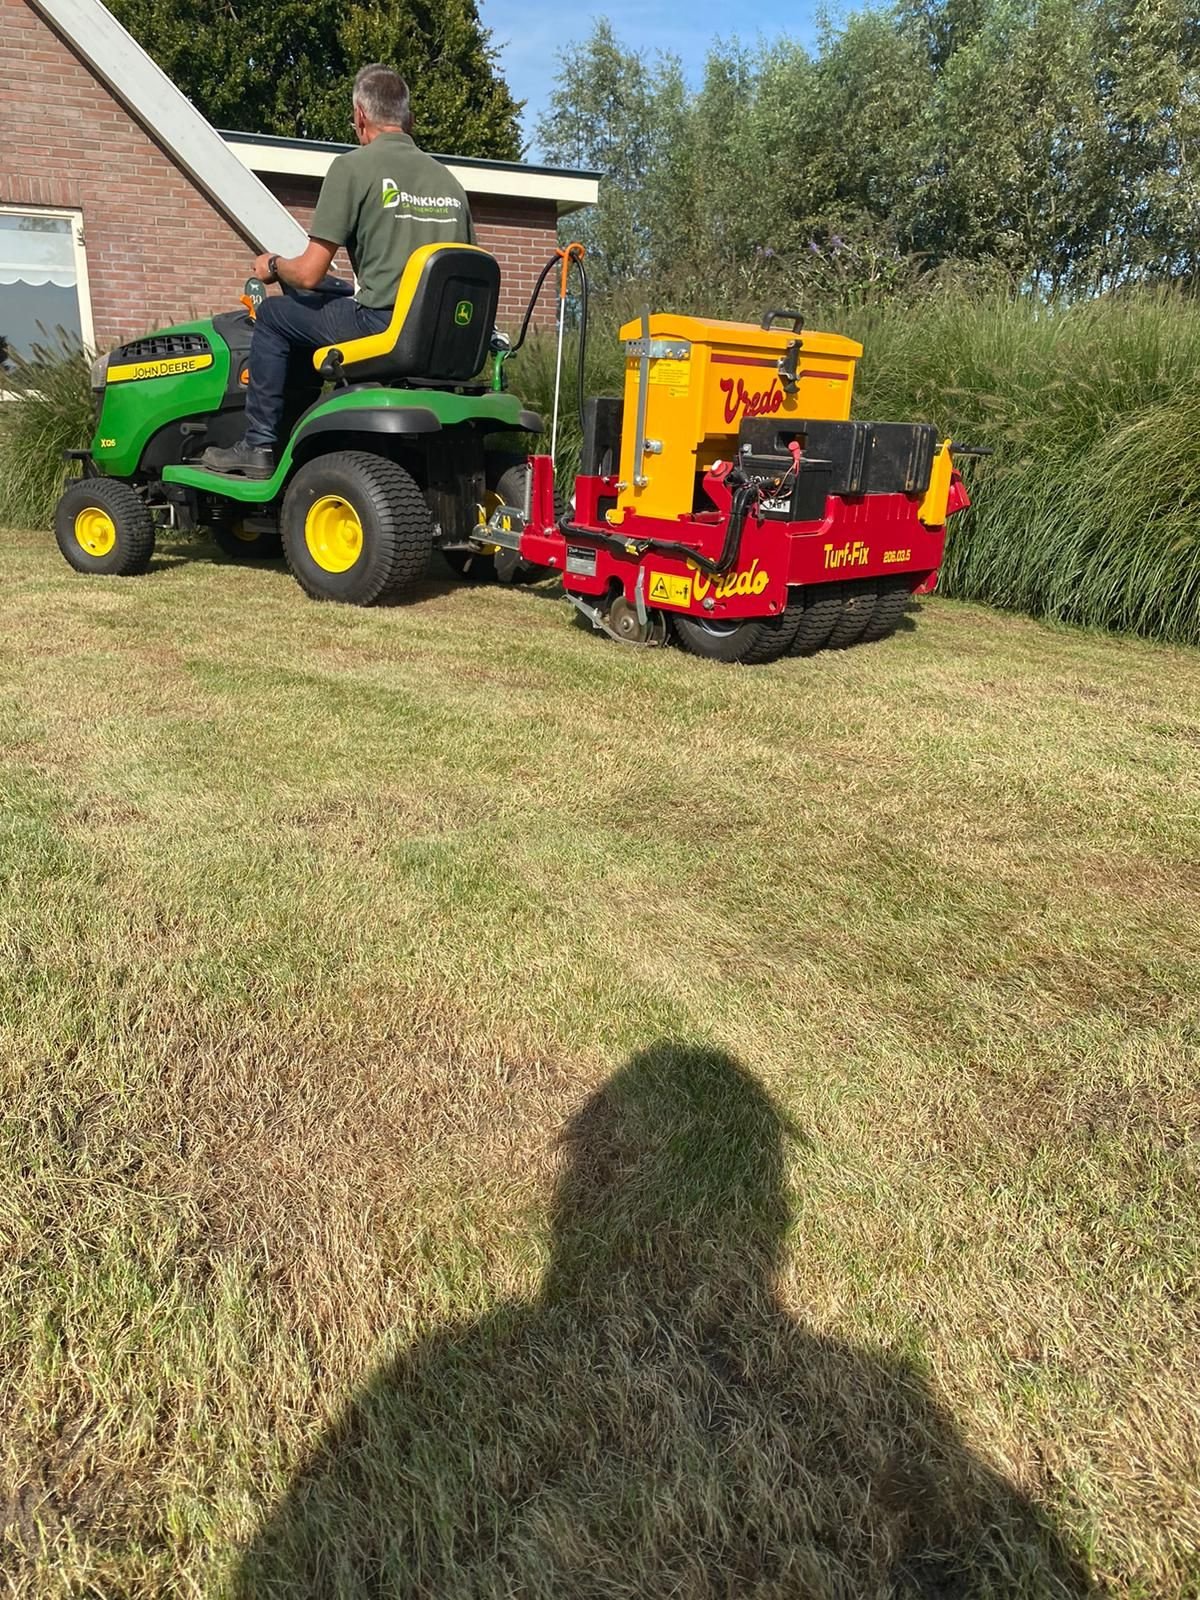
171, 119
492, 180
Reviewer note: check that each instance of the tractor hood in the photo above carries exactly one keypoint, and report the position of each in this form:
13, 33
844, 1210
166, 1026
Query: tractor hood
164, 378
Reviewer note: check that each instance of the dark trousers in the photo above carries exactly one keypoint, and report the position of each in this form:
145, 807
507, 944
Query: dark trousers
287, 329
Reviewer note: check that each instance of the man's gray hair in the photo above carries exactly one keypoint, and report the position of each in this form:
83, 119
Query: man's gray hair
382, 96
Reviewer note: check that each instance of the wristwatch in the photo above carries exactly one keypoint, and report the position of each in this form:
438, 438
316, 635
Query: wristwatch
273, 268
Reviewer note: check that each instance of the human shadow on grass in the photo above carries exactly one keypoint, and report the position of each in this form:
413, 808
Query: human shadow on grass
656, 1423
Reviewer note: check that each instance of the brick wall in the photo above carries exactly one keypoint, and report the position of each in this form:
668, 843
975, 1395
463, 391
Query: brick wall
156, 249
521, 234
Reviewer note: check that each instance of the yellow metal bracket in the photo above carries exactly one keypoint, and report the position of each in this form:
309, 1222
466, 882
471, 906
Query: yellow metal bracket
937, 496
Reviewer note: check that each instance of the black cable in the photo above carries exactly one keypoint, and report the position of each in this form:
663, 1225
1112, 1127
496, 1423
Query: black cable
739, 509
533, 300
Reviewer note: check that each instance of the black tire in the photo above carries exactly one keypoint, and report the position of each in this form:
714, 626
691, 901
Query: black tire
822, 603
472, 566
104, 527
858, 604
497, 464
751, 643
889, 608
240, 543
387, 554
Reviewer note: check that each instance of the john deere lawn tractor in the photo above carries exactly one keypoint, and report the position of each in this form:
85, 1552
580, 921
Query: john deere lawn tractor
724, 501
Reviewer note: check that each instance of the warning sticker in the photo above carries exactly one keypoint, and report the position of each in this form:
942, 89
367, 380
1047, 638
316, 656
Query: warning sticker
673, 375
666, 589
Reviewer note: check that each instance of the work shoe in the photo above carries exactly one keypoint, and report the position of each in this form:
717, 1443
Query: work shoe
241, 459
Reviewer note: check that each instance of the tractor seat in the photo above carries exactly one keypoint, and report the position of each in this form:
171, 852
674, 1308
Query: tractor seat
445, 310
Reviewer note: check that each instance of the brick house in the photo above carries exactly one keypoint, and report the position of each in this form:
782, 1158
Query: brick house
122, 209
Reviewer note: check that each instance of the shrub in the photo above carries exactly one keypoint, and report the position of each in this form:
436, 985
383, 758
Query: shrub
50, 411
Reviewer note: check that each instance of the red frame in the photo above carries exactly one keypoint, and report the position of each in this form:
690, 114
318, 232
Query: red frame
860, 536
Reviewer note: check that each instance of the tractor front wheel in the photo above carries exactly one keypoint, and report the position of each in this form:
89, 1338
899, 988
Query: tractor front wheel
104, 527
356, 528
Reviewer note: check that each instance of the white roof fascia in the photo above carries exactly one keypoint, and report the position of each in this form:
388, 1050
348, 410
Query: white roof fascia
565, 190
117, 58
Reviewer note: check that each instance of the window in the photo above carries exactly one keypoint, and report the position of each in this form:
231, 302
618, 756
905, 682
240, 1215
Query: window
43, 280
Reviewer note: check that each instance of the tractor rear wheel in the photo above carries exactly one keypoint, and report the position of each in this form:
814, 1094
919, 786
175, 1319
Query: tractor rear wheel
356, 528
104, 527
889, 608
751, 642
858, 604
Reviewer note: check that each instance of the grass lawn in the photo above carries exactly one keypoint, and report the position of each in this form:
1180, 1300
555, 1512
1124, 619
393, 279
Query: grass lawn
491, 1113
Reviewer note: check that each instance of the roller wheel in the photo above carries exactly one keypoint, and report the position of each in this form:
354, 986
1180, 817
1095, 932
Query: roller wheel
751, 643
822, 610
858, 604
102, 526
356, 528
241, 543
889, 608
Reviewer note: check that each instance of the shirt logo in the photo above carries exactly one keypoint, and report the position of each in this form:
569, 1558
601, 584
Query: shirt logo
419, 205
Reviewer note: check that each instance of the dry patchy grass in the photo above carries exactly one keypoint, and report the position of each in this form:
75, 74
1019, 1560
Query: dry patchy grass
489, 1113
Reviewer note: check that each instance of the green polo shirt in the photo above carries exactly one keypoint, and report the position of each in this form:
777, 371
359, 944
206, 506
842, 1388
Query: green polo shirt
383, 201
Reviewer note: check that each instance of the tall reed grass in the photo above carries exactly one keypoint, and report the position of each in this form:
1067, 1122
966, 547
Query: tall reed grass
1087, 513
48, 410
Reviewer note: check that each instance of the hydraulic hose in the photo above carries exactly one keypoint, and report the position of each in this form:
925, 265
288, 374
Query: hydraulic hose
581, 367
533, 300
743, 496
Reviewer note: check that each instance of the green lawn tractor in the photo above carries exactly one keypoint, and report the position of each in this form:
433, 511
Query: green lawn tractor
393, 445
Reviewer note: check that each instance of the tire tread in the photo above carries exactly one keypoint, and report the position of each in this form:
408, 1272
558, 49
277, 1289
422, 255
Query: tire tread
889, 608
133, 519
405, 525
858, 604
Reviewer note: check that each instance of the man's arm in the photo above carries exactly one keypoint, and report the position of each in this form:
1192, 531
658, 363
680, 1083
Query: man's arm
304, 271
332, 225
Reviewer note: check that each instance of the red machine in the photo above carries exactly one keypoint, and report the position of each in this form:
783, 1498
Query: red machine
727, 499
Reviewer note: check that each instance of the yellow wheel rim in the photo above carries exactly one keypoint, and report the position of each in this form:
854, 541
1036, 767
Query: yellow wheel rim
491, 502
333, 533
241, 532
95, 531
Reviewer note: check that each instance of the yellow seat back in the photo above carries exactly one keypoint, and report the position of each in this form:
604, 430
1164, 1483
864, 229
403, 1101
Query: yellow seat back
441, 324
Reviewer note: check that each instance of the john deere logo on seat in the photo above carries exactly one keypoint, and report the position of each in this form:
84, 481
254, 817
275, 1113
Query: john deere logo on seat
463, 312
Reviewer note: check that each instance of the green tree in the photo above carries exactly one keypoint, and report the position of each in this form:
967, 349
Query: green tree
618, 113
286, 66
1048, 142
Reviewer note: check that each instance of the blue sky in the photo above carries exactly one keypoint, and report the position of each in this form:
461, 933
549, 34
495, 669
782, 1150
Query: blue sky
528, 33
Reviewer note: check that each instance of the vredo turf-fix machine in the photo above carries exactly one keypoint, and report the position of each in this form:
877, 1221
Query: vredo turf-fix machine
725, 500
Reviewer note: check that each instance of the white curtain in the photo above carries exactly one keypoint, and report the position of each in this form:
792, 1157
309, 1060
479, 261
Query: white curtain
36, 250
